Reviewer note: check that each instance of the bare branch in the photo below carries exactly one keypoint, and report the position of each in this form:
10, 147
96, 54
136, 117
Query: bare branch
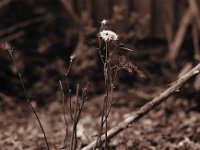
23, 25
147, 107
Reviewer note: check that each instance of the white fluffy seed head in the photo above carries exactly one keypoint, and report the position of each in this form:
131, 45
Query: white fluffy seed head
108, 35
104, 21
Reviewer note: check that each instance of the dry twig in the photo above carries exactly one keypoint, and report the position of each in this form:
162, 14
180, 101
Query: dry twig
22, 25
147, 107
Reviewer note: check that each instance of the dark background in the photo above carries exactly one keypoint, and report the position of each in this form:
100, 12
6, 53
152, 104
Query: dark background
45, 33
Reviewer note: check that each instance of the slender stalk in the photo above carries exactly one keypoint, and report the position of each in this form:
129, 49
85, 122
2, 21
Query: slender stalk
68, 87
64, 115
40, 123
101, 127
109, 76
27, 99
75, 121
106, 100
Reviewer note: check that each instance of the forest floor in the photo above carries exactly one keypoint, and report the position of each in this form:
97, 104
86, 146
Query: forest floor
175, 125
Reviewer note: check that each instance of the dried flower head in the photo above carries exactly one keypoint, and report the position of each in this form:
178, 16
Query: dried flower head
108, 35
104, 21
72, 58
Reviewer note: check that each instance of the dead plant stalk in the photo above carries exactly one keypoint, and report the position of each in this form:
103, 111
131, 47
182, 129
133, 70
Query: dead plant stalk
109, 72
10, 51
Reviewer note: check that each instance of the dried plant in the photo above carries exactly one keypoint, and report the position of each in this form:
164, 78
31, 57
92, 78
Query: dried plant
6, 46
75, 109
108, 44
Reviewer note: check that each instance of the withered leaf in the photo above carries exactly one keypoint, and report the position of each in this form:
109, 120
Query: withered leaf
129, 66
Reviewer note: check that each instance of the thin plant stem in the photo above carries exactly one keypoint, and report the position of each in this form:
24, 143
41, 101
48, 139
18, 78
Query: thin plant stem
74, 130
68, 87
101, 127
108, 99
27, 99
64, 115
41, 126
101, 57
107, 93
70, 99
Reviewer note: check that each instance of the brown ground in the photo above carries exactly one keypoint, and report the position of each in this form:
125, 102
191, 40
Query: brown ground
173, 125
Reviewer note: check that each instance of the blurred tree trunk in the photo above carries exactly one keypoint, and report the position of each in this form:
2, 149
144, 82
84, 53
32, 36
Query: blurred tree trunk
162, 15
120, 15
165, 14
142, 6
